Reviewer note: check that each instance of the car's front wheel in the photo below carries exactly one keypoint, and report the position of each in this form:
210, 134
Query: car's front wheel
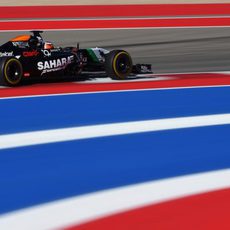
11, 71
118, 64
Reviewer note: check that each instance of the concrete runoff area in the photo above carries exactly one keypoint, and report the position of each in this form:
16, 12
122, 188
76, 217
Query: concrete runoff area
168, 50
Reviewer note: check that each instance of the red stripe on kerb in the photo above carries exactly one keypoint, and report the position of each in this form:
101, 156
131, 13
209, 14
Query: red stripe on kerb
205, 211
113, 10
110, 24
187, 80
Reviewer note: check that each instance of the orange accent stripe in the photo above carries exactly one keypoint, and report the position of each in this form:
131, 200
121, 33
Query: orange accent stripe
21, 38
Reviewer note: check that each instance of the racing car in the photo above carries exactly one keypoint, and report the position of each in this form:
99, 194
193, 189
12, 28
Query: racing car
30, 57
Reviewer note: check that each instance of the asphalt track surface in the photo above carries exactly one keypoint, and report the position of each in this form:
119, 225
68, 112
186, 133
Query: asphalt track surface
168, 50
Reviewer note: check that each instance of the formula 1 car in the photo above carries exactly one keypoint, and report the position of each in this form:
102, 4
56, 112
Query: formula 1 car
30, 57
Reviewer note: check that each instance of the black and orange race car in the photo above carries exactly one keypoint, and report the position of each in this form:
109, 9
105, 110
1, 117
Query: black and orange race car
30, 57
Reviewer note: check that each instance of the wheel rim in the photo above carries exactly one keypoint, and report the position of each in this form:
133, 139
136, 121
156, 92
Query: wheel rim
123, 64
13, 72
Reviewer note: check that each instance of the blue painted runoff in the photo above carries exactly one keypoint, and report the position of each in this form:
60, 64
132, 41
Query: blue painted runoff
43, 173
29, 114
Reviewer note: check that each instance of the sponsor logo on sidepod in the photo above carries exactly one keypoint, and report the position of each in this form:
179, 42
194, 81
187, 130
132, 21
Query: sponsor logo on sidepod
55, 64
33, 53
6, 54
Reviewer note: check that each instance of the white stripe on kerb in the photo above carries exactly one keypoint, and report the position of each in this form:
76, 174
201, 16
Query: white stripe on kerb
93, 131
123, 28
141, 18
81, 209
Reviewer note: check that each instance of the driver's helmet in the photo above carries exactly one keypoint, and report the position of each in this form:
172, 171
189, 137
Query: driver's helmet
34, 42
48, 46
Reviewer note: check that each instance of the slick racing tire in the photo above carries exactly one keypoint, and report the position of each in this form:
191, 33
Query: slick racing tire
118, 64
11, 71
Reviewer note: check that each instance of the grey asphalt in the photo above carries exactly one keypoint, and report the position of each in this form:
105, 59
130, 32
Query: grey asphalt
168, 50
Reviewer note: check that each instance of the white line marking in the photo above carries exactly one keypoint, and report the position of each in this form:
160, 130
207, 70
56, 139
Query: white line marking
112, 18
123, 28
94, 131
80, 209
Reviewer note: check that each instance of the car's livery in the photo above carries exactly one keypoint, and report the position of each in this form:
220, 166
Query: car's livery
30, 57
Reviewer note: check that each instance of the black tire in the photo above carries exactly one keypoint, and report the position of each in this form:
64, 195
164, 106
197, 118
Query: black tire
11, 71
118, 64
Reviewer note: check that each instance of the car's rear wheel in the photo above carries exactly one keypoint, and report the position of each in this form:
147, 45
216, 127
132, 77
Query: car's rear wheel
11, 71
118, 64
